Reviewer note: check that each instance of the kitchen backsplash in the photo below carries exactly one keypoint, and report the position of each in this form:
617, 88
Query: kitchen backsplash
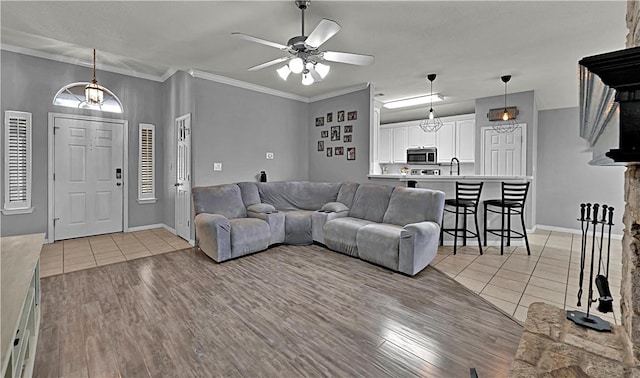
466, 169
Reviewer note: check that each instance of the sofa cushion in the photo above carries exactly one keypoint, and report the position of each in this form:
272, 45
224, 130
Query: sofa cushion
294, 195
250, 195
413, 205
263, 208
340, 234
347, 192
297, 227
370, 202
334, 207
248, 235
220, 199
379, 243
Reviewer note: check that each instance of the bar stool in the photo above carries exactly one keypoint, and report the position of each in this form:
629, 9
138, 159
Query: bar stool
465, 203
512, 202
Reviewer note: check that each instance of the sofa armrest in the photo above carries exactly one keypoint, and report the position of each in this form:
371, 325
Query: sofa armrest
275, 221
213, 233
262, 208
334, 207
418, 246
319, 218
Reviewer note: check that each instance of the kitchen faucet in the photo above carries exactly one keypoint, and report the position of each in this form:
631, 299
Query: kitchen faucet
451, 166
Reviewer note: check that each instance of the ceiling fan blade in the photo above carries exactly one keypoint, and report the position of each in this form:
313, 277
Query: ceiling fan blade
315, 75
340, 57
269, 63
259, 40
325, 30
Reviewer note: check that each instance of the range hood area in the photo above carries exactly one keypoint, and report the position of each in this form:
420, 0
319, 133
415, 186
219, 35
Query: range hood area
610, 105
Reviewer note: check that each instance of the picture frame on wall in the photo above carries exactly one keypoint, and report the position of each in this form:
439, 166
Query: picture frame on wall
339, 151
341, 116
351, 153
319, 121
352, 116
329, 151
324, 134
335, 133
320, 145
329, 117
347, 138
348, 129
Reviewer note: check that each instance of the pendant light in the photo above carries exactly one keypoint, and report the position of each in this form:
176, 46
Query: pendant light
507, 121
94, 94
432, 123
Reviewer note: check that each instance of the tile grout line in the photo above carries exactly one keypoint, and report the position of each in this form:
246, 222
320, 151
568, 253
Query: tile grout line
531, 274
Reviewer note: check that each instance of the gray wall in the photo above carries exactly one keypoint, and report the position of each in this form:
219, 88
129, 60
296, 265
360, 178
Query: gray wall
29, 84
564, 177
338, 168
237, 127
177, 101
525, 101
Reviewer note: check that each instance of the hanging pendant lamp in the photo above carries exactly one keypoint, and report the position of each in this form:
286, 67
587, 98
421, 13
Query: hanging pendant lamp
507, 122
94, 94
432, 123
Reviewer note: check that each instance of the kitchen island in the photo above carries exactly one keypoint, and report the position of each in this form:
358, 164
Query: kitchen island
492, 189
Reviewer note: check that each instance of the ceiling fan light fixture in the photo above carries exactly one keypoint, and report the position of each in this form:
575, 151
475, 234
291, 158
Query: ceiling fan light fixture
93, 92
307, 79
322, 69
284, 72
296, 65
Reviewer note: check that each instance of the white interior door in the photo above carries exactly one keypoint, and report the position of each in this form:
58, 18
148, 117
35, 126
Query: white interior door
183, 177
503, 154
88, 177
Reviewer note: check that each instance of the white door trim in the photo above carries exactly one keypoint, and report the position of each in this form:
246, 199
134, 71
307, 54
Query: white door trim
51, 165
523, 157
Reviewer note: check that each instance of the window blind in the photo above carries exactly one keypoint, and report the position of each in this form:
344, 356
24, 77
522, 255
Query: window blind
17, 160
147, 163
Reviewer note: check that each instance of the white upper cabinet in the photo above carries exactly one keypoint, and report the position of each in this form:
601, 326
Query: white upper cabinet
385, 146
418, 138
400, 144
446, 142
466, 140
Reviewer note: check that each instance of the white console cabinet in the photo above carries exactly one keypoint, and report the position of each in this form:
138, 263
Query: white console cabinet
20, 307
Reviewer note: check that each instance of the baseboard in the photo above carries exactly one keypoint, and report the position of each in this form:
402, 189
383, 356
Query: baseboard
146, 227
170, 229
571, 230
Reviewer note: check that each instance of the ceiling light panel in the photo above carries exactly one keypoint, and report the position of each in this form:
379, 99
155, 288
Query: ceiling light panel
414, 101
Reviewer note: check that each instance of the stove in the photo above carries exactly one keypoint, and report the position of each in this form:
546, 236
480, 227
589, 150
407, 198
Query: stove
425, 172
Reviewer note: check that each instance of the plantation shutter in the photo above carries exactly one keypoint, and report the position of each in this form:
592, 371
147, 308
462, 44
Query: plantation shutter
17, 160
147, 163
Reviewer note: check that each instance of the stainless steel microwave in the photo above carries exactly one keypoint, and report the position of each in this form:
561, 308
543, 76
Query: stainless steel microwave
428, 155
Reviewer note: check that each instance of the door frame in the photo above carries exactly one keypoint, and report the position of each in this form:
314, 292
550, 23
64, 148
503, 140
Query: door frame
191, 237
51, 165
523, 154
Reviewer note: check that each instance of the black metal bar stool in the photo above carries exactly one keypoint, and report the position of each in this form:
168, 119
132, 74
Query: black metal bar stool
465, 203
512, 202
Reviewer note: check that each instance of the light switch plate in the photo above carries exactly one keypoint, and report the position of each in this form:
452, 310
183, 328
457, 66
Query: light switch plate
217, 166
269, 155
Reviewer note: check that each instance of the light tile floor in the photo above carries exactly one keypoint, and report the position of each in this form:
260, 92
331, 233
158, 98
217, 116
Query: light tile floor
515, 280
88, 252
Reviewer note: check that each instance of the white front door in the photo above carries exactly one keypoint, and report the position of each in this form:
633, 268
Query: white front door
88, 177
503, 154
183, 177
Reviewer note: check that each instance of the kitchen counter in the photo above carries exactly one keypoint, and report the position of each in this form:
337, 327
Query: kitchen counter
436, 178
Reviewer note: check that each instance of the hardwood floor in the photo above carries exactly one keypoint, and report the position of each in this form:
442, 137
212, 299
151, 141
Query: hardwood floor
289, 311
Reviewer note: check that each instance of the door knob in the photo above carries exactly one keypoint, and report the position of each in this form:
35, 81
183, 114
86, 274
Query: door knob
177, 184
118, 183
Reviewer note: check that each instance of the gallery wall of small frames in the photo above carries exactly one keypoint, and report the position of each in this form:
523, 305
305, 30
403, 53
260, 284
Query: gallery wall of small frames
339, 136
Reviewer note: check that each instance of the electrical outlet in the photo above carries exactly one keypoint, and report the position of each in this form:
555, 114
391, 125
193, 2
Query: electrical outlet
217, 166
269, 155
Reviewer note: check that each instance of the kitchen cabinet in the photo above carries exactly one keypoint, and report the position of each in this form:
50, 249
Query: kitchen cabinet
400, 144
446, 142
418, 138
466, 140
385, 146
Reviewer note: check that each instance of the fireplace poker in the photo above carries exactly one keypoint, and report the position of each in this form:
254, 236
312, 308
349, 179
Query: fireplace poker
605, 301
583, 243
593, 253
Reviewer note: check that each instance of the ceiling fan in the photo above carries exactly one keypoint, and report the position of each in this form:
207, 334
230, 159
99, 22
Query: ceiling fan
304, 54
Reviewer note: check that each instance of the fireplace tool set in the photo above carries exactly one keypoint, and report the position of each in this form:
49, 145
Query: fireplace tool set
589, 219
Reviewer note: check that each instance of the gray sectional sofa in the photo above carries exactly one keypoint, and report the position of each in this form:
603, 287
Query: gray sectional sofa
397, 228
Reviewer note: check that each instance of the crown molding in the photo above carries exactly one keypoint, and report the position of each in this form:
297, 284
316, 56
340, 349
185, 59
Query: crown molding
79, 62
246, 85
339, 92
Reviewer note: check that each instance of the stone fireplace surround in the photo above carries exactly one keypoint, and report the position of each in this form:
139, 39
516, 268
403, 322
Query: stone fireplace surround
551, 345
